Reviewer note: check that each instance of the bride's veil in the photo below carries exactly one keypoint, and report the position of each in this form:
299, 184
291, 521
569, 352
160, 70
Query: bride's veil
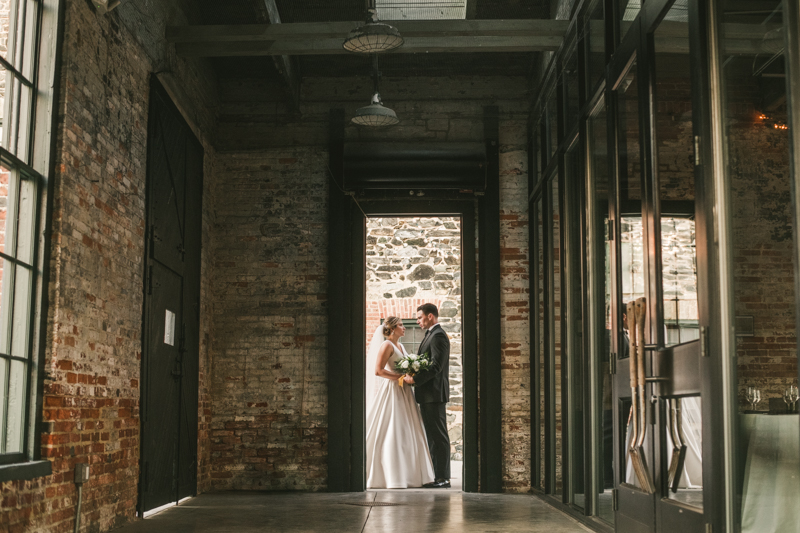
372, 360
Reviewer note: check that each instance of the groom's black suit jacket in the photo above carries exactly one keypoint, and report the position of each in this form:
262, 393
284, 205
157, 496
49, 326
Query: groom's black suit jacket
433, 385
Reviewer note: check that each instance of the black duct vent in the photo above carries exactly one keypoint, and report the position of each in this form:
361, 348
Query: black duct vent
398, 165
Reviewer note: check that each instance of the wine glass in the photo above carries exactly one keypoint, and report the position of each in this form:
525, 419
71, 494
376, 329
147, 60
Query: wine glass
750, 396
790, 397
756, 398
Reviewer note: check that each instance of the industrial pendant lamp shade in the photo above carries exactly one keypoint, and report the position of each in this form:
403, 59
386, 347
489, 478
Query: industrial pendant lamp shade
375, 114
374, 36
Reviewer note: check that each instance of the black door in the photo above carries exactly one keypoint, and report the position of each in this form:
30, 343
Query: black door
170, 362
662, 376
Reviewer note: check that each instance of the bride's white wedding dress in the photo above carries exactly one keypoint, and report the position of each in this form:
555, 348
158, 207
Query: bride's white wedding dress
397, 449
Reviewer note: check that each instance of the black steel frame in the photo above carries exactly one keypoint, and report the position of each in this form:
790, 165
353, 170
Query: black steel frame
346, 257
621, 50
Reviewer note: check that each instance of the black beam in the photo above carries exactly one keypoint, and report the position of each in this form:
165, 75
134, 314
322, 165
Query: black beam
358, 370
469, 350
339, 303
491, 464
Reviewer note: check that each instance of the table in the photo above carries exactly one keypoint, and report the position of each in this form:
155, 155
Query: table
771, 494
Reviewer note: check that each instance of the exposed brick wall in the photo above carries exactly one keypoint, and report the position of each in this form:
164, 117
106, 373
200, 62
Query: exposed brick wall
515, 312
93, 357
267, 287
763, 247
269, 385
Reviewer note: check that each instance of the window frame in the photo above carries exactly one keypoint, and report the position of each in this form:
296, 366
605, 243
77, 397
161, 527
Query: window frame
36, 162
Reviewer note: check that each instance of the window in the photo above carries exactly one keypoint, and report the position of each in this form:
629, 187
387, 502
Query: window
413, 337
17, 76
18, 204
27, 90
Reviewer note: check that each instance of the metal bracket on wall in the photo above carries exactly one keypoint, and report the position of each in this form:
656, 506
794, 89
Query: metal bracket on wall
615, 499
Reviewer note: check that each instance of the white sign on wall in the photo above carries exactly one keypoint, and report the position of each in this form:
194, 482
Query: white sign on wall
169, 328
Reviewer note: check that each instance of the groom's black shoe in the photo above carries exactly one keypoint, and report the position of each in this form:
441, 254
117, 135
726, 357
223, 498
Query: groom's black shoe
438, 484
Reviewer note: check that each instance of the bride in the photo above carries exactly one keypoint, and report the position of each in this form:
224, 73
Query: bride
397, 449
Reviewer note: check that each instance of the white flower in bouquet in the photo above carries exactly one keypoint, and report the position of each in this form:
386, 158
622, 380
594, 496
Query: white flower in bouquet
413, 357
415, 366
404, 364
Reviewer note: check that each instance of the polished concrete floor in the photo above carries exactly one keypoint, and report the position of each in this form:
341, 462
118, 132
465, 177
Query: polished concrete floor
385, 511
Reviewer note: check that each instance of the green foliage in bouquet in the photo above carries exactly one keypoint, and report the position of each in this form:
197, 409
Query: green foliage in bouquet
413, 363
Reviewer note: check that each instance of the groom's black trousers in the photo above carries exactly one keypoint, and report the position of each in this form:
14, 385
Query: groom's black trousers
434, 418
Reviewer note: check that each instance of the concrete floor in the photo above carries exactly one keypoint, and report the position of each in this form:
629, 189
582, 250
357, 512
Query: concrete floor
439, 510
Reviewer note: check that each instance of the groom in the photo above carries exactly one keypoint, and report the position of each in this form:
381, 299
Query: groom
432, 391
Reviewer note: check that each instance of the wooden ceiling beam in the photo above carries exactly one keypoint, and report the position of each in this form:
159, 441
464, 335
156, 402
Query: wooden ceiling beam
312, 31
284, 63
334, 46
427, 36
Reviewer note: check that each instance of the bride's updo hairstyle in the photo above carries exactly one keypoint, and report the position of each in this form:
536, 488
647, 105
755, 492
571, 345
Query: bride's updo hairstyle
389, 324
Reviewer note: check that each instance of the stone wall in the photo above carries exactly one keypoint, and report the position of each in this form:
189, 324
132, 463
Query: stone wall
411, 261
93, 356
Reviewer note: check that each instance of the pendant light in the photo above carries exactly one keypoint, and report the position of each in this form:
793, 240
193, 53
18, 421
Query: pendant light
374, 36
375, 114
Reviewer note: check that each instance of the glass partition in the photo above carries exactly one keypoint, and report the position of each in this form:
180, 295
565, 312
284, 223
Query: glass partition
627, 11
598, 248
540, 327
674, 156
555, 331
573, 261
757, 176
629, 169
571, 88
595, 38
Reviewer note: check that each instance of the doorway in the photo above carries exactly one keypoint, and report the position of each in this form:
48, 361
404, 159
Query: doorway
411, 261
171, 315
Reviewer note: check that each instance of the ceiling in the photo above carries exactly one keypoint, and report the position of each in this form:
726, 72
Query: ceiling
391, 65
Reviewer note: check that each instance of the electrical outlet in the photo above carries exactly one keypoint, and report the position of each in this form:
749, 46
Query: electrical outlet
81, 473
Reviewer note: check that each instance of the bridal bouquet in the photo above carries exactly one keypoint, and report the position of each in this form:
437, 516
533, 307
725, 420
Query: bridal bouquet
411, 364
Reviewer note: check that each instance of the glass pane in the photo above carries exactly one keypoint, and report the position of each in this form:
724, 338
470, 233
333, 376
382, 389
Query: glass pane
6, 299
758, 178
627, 10
21, 317
5, 366
601, 306
684, 450
22, 121
676, 187
7, 98
5, 176
541, 330
552, 125
575, 373
631, 237
555, 336
26, 215
596, 42
16, 407
571, 88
